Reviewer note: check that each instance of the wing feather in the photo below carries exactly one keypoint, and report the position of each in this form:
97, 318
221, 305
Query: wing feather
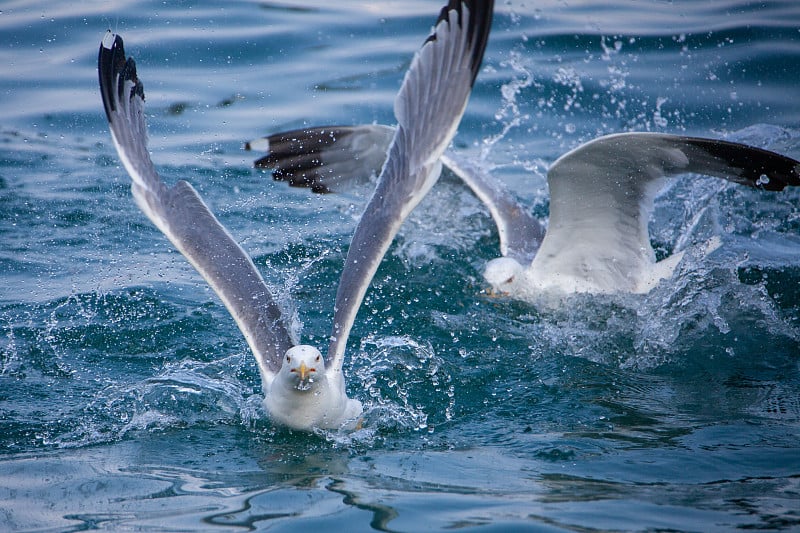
602, 193
428, 109
325, 159
181, 215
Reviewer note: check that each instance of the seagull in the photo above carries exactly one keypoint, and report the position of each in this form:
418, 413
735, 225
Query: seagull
303, 390
601, 197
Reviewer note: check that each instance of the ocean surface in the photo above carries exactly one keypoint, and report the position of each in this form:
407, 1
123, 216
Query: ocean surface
129, 399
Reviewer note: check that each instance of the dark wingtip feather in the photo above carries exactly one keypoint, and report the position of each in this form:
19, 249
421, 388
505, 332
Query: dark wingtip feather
479, 24
111, 49
759, 168
112, 64
296, 156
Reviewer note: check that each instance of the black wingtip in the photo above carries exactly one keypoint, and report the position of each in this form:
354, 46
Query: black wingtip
296, 156
111, 49
479, 24
759, 168
113, 65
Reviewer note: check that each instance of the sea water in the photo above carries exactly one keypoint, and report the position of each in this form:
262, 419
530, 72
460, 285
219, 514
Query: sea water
129, 399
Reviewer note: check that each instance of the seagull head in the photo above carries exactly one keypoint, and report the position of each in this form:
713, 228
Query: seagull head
502, 274
303, 367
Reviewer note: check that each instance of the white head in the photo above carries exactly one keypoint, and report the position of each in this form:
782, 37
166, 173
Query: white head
302, 396
302, 367
502, 274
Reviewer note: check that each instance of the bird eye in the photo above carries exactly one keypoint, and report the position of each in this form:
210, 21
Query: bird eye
288, 358
509, 280
317, 359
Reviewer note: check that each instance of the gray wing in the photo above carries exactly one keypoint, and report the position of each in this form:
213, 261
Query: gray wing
181, 215
332, 158
428, 109
325, 159
602, 193
520, 233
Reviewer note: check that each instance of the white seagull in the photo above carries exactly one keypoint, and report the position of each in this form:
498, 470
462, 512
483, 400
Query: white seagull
302, 390
601, 199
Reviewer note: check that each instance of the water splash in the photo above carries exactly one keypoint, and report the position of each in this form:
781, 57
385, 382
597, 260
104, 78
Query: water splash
403, 379
509, 114
184, 394
291, 280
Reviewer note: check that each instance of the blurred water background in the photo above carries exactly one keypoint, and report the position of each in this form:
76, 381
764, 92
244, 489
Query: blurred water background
129, 399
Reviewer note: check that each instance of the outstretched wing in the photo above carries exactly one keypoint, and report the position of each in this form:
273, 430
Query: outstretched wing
325, 159
428, 108
332, 158
601, 196
181, 215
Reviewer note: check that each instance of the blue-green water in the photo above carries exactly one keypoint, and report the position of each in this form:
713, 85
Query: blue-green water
129, 400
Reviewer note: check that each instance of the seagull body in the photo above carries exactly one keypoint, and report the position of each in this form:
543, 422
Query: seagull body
301, 397
302, 389
601, 198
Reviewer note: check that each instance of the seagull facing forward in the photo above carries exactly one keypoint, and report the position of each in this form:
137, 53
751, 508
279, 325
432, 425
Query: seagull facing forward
302, 389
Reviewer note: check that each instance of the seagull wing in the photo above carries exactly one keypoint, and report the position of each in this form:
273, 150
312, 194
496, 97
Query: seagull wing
327, 158
428, 109
602, 193
520, 233
181, 215
333, 158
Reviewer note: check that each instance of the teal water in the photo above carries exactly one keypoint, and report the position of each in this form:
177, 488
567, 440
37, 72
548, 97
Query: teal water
129, 399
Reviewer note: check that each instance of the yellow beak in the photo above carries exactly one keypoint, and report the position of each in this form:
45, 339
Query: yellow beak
303, 371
